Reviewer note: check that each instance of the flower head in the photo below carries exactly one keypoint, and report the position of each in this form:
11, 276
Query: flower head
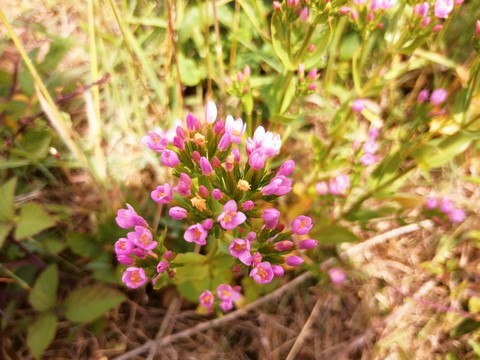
134, 277
162, 194
128, 218
197, 234
142, 237
206, 299
230, 218
302, 225
262, 273
240, 249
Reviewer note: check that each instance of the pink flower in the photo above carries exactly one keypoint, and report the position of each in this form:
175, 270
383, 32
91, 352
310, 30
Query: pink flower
370, 147
170, 158
358, 105
251, 236
307, 244
302, 225
240, 249
226, 305
177, 213
279, 186
162, 194
304, 14
446, 206
431, 203
207, 224
196, 156
271, 217
262, 273
278, 270
125, 260
197, 234
134, 277
162, 266
268, 141
225, 141
226, 292
230, 218
368, 159
219, 127
192, 123
205, 166
337, 276
235, 128
211, 112
123, 247
257, 159
287, 168
184, 185
155, 140
248, 205
206, 299
438, 96
321, 188
217, 194
294, 260
339, 185
456, 215
128, 218
443, 8
142, 237
421, 9
284, 245
423, 96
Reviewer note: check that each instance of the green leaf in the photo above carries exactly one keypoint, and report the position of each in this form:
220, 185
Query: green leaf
465, 327
83, 245
7, 193
33, 219
88, 303
190, 72
41, 333
387, 168
335, 234
321, 40
4, 231
44, 293
279, 40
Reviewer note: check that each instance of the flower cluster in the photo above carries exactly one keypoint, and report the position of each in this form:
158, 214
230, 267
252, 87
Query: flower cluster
306, 84
294, 9
368, 149
226, 294
222, 191
336, 186
437, 97
241, 85
444, 206
142, 251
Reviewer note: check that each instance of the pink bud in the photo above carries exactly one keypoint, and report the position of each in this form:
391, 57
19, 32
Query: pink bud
247, 71
168, 255
437, 28
312, 74
311, 48
251, 236
216, 163
162, 266
286, 168
301, 70
240, 76
344, 10
423, 96
354, 15
304, 14
438, 96
177, 213
205, 166
207, 224
217, 194
203, 191
322, 188
358, 105
426, 21
276, 5
337, 276
196, 156
278, 270
294, 260
192, 122
477, 28
283, 245
248, 205
210, 112
307, 244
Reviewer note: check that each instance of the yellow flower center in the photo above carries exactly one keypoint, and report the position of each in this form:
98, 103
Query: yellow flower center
243, 185
198, 202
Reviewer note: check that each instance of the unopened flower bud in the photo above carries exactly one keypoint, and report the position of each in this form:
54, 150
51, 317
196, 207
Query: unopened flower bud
307, 244
294, 260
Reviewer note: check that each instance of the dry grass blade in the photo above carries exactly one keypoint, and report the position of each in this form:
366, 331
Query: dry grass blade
219, 321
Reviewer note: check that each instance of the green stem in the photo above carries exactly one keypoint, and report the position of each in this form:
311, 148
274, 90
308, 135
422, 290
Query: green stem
18, 280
